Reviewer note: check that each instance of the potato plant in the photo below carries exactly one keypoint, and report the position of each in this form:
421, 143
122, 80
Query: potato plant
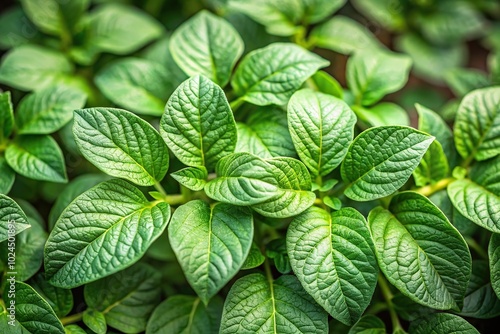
219, 179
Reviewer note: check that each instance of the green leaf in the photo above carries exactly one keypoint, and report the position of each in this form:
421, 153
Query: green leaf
254, 258
463, 80
480, 301
477, 125
386, 13
55, 17
325, 83
136, 84
75, 188
32, 313
242, 179
37, 157
479, 199
185, 314
95, 321
265, 134
431, 123
60, 300
120, 29
380, 160
276, 250
8, 176
259, 305
130, 298
121, 144
16, 28
48, 110
322, 127
420, 252
442, 323
10, 212
332, 202
6, 117
317, 10
382, 114
108, 227
211, 243
30, 67
272, 74
208, 45
372, 74
344, 35
198, 124
433, 167
193, 178
333, 258
74, 329
369, 324
294, 193
494, 262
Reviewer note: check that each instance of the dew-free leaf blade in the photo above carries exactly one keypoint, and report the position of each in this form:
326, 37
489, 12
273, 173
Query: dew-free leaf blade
211, 244
420, 252
48, 110
198, 124
442, 323
322, 127
13, 219
368, 324
59, 299
477, 124
104, 230
272, 74
255, 304
186, 314
132, 295
494, 262
6, 116
333, 258
8, 176
206, 44
193, 178
433, 167
380, 160
121, 144
37, 157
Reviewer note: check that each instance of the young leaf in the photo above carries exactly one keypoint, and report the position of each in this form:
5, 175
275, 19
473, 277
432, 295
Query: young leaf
256, 304
344, 35
74, 329
198, 124
480, 300
207, 45
317, 10
294, 193
242, 179
272, 74
333, 258
60, 300
211, 244
32, 313
15, 28
30, 67
10, 212
477, 125
37, 157
322, 127
433, 167
108, 227
265, 134
384, 12
372, 74
193, 178
130, 298
442, 323
494, 261
6, 117
382, 114
276, 251
462, 81
478, 199
254, 258
325, 83
95, 321
420, 252
48, 110
185, 314
136, 84
368, 324
8, 176
380, 160
121, 144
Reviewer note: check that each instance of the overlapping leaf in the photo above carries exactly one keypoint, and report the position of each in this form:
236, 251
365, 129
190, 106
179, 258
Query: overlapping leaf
10, 212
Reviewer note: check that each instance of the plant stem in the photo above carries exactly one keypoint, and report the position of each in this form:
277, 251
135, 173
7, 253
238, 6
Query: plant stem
175, 199
236, 104
476, 247
71, 319
160, 189
386, 292
432, 188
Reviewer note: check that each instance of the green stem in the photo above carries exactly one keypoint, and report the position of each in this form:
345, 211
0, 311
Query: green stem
476, 247
160, 189
175, 199
377, 308
386, 292
433, 188
236, 104
71, 319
